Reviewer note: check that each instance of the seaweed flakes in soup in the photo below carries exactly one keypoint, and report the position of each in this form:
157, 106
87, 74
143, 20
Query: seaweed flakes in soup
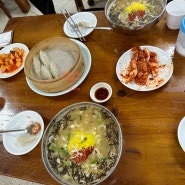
83, 145
134, 14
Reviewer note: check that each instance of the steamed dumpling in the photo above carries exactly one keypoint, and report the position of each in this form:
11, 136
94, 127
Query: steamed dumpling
24, 140
44, 68
37, 66
54, 70
45, 73
44, 58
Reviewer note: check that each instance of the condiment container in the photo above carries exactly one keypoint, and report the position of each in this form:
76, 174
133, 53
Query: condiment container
101, 92
180, 44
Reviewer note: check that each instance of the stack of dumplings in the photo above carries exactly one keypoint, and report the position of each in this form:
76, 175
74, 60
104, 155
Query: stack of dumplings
44, 68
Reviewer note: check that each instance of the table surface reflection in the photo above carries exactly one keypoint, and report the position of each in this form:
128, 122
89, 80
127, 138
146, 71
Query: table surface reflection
149, 120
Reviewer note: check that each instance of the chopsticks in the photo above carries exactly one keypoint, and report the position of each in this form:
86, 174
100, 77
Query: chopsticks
73, 25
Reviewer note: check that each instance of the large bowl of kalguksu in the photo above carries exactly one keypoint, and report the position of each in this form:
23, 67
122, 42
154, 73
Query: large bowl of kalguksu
82, 144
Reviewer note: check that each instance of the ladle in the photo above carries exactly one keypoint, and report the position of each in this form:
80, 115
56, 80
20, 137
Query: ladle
32, 128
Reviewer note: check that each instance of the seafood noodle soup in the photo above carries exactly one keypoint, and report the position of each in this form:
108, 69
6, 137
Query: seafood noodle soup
83, 144
134, 13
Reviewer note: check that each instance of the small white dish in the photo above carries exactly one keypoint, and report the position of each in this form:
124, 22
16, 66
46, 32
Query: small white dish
181, 133
101, 92
6, 50
87, 61
80, 17
20, 121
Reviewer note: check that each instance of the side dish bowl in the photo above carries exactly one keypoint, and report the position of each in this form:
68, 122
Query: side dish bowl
68, 60
82, 144
134, 16
101, 92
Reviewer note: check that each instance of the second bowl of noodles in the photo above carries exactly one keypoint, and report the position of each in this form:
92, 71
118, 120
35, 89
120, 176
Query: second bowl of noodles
134, 16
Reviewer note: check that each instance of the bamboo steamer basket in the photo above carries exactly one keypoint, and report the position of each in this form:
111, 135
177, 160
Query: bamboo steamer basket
67, 56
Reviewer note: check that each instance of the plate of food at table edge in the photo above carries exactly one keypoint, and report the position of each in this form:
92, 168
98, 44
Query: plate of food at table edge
144, 68
12, 59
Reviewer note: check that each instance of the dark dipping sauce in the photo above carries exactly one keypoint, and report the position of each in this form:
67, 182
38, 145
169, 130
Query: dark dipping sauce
101, 93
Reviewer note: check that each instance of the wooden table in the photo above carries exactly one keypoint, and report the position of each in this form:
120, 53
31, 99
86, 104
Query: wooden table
149, 120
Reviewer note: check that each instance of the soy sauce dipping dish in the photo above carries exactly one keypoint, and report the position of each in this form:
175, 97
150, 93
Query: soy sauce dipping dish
101, 92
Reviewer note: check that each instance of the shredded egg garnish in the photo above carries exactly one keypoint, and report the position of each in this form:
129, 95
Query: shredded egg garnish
135, 7
79, 140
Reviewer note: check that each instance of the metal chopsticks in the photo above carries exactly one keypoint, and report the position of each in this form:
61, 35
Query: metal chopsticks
73, 25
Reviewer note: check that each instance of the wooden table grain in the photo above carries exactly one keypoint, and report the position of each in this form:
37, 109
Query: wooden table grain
149, 120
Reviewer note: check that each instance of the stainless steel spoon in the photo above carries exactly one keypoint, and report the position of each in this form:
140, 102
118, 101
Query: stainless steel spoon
100, 27
32, 128
86, 25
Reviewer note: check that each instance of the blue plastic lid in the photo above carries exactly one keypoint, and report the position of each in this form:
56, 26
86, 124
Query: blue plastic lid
182, 27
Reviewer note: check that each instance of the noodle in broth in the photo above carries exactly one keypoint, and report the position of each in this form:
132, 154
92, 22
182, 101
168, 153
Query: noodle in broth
83, 145
134, 13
